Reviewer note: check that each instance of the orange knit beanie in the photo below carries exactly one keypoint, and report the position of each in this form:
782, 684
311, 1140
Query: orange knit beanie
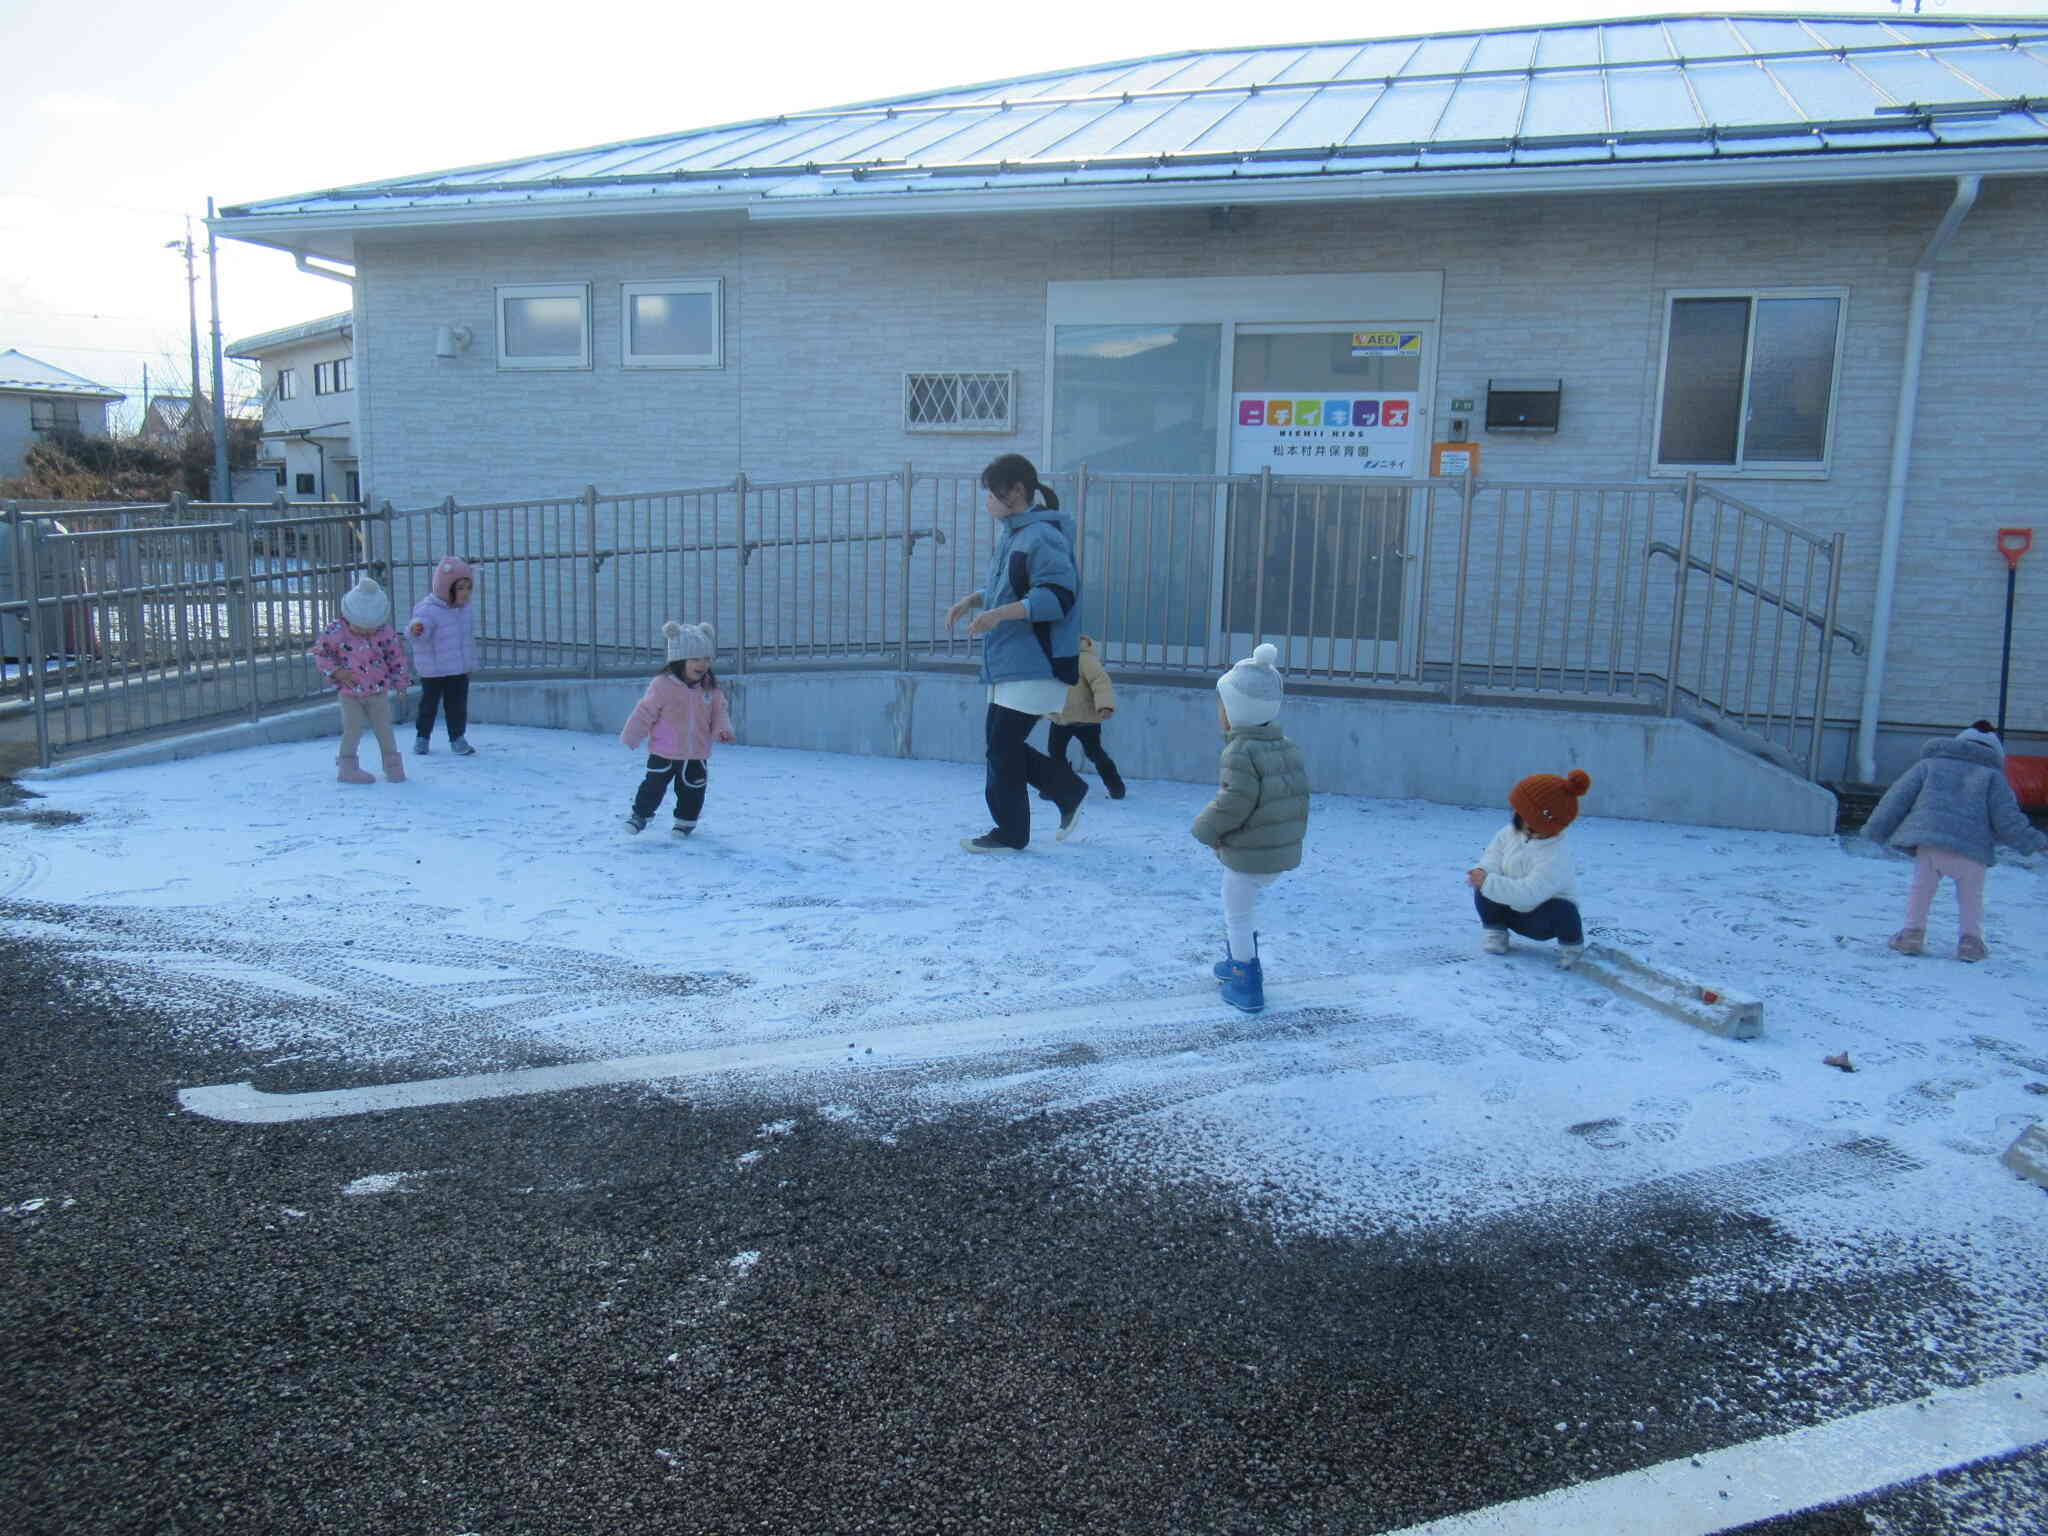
1547, 803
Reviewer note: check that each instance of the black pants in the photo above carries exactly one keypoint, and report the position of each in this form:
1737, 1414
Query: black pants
1090, 737
1556, 919
436, 692
691, 775
1015, 768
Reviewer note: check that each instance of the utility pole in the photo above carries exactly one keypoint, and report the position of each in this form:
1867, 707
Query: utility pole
192, 416
222, 489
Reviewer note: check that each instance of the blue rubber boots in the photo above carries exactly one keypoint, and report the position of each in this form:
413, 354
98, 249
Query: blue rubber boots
1244, 984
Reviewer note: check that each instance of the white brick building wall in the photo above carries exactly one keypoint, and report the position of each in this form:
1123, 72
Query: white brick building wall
821, 319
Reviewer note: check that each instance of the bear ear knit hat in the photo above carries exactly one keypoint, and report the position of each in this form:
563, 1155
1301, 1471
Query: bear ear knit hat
1253, 690
689, 642
1547, 803
453, 568
1985, 733
366, 605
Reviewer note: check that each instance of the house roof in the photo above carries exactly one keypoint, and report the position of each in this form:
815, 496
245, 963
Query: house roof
22, 374
1730, 97
265, 342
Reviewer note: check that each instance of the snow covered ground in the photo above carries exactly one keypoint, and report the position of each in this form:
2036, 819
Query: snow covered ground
494, 914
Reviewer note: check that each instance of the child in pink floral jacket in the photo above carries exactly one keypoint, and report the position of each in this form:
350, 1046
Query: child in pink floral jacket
680, 715
359, 653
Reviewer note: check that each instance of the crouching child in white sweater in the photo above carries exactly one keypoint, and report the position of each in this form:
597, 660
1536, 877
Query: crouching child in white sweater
1524, 881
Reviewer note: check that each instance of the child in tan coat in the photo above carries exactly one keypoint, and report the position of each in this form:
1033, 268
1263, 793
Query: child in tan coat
1090, 702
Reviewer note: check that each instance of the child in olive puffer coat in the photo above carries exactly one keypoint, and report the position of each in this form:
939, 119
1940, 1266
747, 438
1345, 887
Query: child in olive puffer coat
1259, 816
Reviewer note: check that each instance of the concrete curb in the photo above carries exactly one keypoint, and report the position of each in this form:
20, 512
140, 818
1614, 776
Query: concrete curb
2028, 1154
307, 724
1704, 1005
1643, 769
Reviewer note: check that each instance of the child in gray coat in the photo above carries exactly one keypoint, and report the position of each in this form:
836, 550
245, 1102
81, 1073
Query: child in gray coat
1258, 818
1950, 810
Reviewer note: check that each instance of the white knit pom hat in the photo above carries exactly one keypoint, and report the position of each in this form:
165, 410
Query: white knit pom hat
689, 642
1253, 690
366, 605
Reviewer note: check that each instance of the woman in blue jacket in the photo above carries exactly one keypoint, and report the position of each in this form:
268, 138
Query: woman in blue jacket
1030, 624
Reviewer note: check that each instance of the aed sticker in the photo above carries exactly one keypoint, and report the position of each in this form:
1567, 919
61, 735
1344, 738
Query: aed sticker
1386, 344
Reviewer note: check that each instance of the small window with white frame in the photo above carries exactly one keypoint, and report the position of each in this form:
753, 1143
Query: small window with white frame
676, 322
544, 325
952, 401
337, 377
287, 383
1749, 380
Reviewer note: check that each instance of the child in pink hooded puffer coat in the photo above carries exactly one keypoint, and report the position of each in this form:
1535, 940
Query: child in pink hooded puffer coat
680, 715
443, 631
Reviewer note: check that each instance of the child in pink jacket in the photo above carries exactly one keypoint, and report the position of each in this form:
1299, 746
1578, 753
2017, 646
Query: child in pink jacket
359, 653
680, 715
444, 653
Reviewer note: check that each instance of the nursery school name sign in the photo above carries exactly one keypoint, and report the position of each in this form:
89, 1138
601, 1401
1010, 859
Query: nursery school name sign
1322, 434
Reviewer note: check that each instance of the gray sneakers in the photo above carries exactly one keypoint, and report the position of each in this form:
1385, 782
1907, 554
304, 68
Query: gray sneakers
1495, 942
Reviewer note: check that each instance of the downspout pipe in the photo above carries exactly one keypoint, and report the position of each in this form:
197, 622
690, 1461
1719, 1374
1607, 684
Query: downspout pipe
1902, 464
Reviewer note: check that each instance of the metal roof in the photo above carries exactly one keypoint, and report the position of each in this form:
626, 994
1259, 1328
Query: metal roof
263, 342
22, 374
1686, 91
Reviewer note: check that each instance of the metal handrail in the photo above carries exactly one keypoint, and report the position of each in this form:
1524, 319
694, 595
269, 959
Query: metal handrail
1854, 637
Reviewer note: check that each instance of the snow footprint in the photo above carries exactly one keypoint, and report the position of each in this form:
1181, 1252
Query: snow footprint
1934, 1097
1607, 1135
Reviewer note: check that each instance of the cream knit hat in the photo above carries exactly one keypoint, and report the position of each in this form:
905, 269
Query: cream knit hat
366, 605
689, 642
1252, 691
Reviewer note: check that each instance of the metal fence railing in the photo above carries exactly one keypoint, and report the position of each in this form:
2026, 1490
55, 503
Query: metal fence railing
1663, 597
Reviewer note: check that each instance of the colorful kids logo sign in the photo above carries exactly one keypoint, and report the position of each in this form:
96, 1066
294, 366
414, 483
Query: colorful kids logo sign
1324, 435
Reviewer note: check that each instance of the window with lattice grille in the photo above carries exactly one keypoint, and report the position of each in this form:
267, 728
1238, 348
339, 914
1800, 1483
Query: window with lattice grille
960, 402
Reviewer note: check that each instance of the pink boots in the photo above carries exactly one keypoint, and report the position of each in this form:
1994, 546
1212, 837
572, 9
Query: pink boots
394, 768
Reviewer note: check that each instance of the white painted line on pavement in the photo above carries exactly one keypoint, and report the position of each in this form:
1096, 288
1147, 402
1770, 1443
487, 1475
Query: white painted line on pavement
1784, 1474
899, 1046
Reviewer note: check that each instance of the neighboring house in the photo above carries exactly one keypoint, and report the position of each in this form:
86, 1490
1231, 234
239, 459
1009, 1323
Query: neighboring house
39, 400
309, 407
1754, 247
166, 420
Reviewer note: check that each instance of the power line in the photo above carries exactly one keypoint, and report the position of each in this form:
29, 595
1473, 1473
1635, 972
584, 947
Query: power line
72, 346
74, 202
79, 314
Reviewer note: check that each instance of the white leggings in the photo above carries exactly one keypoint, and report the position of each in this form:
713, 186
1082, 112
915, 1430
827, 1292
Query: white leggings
1240, 901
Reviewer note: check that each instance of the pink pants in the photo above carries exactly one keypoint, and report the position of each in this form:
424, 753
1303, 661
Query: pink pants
1929, 865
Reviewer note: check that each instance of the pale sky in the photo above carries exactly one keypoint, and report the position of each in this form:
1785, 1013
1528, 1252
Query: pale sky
124, 116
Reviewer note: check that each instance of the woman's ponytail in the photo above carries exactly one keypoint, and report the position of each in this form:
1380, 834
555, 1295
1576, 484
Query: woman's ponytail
1012, 470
